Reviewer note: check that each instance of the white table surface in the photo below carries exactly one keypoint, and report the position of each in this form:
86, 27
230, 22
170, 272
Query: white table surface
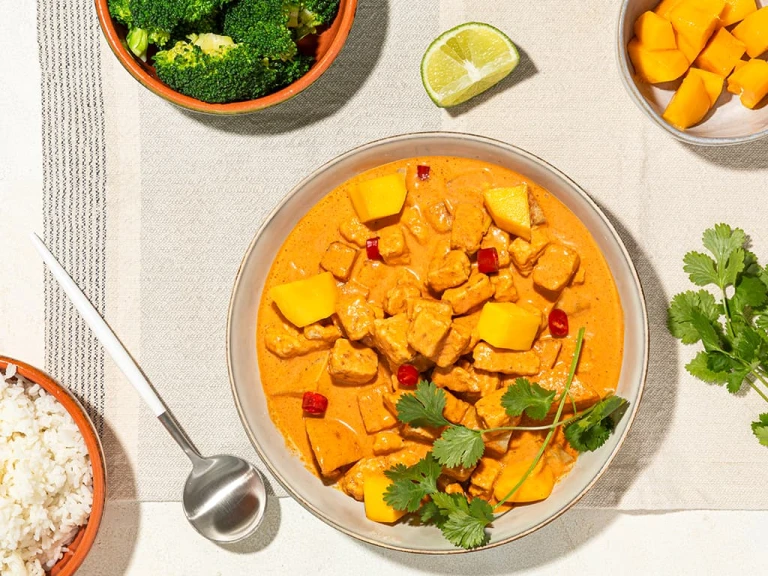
154, 539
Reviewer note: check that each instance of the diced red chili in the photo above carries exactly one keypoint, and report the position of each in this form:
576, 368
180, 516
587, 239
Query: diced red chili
558, 323
314, 403
408, 375
423, 172
372, 249
487, 260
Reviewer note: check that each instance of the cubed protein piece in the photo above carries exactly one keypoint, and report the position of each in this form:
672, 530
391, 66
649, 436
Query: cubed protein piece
353, 481
392, 245
453, 346
286, 342
407, 287
555, 268
472, 293
439, 217
386, 442
466, 378
356, 232
455, 409
525, 254
376, 416
391, 338
339, 260
448, 270
486, 473
427, 331
352, 363
492, 413
416, 305
356, 316
333, 442
497, 238
469, 225
504, 286
548, 350
496, 360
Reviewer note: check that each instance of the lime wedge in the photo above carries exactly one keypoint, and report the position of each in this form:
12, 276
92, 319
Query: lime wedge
466, 61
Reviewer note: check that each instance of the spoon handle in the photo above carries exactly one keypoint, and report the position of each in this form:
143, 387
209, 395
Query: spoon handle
101, 330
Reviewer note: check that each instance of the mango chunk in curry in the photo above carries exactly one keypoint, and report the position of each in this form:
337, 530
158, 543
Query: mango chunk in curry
337, 323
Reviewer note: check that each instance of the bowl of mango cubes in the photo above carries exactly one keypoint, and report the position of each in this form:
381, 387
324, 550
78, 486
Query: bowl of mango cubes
698, 68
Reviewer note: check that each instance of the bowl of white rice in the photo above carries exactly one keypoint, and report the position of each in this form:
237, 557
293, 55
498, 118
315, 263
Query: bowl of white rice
52, 475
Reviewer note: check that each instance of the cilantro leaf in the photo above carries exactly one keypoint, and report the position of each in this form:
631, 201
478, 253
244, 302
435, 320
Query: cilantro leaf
464, 522
747, 344
411, 484
750, 291
424, 407
736, 379
429, 513
459, 446
700, 368
592, 430
727, 246
700, 268
692, 316
522, 396
760, 429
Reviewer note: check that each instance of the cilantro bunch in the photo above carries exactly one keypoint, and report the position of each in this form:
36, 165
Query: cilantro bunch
464, 522
730, 319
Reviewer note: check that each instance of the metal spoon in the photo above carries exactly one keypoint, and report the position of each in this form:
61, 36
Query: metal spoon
224, 496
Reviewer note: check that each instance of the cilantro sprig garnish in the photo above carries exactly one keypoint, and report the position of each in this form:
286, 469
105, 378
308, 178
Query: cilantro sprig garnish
729, 317
462, 521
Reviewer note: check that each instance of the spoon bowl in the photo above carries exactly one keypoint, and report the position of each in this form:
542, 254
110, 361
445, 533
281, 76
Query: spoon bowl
224, 498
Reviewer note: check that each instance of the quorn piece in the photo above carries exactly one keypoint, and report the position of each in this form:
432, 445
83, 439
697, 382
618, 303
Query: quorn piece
496, 360
352, 363
472, 293
448, 270
333, 442
555, 268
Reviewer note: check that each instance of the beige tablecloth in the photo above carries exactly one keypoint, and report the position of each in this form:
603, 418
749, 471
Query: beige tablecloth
152, 207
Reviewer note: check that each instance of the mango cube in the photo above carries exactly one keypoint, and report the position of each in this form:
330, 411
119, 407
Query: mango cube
538, 486
736, 11
510, 210
306, 301
656, 66
654, 32
721, 54
376, 509
694, 22
751, 81
753, 31
507, 325
689, 104
713, 83
665, 7
690, 51
379, 197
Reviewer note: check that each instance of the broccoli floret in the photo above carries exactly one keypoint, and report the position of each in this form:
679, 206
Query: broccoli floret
215, 69
314, 13
289, 72
263, 25
166, 15
120, 11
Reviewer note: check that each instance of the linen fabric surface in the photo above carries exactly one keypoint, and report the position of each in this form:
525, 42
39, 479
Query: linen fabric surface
151, 209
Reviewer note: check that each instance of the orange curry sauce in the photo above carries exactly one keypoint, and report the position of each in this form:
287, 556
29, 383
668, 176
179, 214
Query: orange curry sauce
590, 300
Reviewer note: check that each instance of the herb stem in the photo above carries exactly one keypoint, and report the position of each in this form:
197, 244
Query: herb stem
727, 313
547, 440
757, 375
576, 416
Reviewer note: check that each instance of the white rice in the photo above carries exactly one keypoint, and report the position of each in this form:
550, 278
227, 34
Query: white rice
46, 480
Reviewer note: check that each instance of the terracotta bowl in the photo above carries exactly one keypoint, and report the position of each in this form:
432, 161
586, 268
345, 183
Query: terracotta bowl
333, 506
326, 48
81, 546
728, 122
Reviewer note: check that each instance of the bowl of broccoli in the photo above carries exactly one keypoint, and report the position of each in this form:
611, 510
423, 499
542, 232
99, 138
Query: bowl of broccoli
226, 56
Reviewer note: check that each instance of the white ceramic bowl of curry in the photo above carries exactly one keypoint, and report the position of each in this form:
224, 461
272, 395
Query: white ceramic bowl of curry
273, 420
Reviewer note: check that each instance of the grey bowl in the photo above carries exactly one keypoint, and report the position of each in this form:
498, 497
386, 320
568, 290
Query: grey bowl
728, 122
336, 508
